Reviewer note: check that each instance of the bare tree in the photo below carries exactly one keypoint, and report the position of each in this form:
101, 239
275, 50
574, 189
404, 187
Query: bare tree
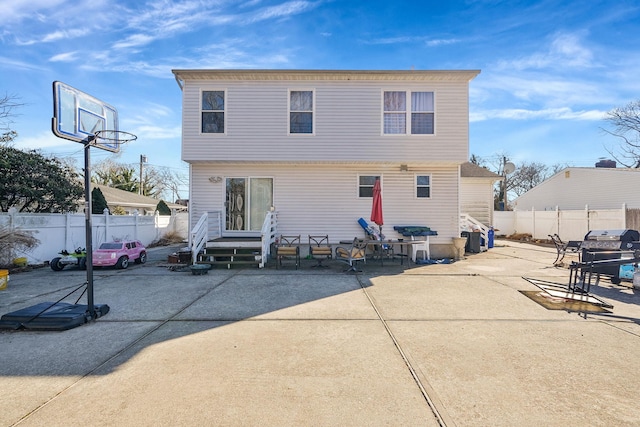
8, 103
169, 182
477, 160
158, 181
524, 178
625, 125
557, 167
527, 176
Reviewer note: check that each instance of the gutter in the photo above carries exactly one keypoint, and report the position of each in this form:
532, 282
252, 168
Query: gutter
180, 82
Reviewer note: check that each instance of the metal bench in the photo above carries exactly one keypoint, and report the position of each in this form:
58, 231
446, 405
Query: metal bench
572, 246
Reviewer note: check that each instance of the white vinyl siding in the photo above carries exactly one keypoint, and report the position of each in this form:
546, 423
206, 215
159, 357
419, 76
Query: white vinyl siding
316, 180
577, 188
307, 202
476, 199
347, 124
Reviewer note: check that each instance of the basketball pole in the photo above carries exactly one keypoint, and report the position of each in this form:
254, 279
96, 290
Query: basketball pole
88, 226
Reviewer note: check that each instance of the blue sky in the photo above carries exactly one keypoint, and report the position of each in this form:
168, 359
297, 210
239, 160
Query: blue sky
550, 70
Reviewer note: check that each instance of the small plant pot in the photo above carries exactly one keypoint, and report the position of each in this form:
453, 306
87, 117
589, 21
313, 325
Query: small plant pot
199, 269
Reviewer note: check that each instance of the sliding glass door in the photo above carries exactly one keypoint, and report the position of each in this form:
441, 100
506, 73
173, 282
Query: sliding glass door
247, 202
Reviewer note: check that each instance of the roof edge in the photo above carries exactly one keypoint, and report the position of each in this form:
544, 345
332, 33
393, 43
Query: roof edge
284, 74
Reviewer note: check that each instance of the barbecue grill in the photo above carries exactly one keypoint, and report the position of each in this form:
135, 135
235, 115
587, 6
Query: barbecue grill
601, 245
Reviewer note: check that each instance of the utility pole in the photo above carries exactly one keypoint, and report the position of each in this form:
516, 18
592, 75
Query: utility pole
504, 183
143, 160
507, 168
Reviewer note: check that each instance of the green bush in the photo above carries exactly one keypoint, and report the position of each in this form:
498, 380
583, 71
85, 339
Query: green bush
98, 202
162, 208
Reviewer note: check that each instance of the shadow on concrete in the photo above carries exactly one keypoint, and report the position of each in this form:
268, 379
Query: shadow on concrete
150, 304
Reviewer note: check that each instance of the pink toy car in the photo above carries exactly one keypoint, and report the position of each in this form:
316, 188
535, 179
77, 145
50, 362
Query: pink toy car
119, 254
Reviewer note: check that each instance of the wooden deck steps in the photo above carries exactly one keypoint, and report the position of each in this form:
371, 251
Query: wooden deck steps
230, 253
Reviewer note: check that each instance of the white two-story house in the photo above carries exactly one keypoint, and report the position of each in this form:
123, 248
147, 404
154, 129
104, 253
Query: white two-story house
309, 145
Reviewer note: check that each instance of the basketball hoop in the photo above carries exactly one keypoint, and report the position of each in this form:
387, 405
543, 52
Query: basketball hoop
112, 139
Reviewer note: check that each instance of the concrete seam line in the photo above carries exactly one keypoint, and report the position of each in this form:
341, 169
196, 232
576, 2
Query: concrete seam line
407, 363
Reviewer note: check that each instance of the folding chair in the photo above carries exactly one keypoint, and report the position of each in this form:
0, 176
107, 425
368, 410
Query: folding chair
320, 249
288, 246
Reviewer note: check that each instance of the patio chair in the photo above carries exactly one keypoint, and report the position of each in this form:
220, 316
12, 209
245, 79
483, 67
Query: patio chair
320, 249
420, 245
572, 246
383, 250
353, 254
288, 246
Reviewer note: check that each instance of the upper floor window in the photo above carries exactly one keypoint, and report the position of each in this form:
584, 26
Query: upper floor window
365, 185
301, 111
399, 116
423, 186
213, 111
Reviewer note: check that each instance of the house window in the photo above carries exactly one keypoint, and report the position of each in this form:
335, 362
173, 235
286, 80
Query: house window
397, 117
365, 185
422, 113
423, 186
395, 112
301, 111
213, 111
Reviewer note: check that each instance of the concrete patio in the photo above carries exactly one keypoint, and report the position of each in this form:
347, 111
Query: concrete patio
446, 344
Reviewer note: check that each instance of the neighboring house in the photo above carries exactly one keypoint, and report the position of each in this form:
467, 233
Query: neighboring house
576, 188
131, 202
477, 192
309, 145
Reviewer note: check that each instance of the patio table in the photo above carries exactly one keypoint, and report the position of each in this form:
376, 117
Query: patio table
378, 251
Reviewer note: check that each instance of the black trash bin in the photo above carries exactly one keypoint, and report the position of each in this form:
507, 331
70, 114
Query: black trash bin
473, 241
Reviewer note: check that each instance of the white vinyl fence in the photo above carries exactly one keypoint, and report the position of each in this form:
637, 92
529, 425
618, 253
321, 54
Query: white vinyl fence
67, 231
569, 224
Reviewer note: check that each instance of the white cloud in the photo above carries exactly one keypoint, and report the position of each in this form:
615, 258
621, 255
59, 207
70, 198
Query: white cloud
431, 42
164, 19
283, 10
148, 132
564, 113
55, 36
134, 40
15, 64
14, 11
441, 42
65, 57
44, 141
563, 51
65, 34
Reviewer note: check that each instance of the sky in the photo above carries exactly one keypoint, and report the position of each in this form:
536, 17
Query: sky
550, 70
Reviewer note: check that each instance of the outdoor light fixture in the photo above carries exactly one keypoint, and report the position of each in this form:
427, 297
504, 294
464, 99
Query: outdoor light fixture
404, 168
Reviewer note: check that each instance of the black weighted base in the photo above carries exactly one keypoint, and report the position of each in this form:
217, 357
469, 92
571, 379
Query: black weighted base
51, 316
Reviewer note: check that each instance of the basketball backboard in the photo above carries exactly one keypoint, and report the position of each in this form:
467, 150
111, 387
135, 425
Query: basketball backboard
77, 115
